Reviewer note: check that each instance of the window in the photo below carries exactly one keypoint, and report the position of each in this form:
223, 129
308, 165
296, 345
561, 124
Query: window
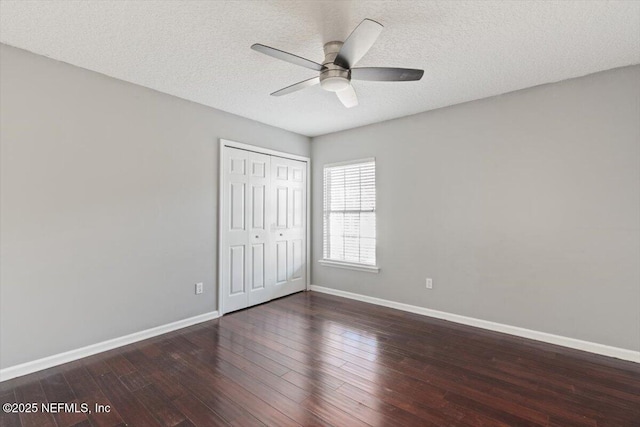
349, 220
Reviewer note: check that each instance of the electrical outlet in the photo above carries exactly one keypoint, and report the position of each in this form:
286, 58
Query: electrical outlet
429, 283
199, 288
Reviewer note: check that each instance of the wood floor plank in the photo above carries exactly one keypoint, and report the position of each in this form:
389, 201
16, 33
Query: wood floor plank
130, 409
496, 412
265, 401
185, 423
220, 403
273, 381
199, 413
88, 391
120, 365
71, 416
32, 393
57, 390
333, 415
310, 384
159, 406
134, 380
429, 412
212, 391
83, 385
8, 418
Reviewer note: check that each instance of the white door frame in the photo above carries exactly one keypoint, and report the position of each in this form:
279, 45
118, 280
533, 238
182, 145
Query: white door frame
256, 149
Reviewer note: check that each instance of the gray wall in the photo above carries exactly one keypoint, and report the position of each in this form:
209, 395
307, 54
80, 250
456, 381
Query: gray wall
108, 205
523, 208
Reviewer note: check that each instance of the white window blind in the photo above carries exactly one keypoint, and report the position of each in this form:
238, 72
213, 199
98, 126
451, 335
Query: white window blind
350, 212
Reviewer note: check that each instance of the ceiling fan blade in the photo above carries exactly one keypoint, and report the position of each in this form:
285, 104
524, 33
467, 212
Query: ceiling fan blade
348, 97
297, 86
286, 56
358, 43
381, 74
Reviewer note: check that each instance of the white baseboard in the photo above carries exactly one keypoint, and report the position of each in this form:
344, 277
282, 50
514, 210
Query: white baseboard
620, 353
69, 356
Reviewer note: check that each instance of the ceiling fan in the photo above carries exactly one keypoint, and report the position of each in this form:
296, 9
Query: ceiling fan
336, 71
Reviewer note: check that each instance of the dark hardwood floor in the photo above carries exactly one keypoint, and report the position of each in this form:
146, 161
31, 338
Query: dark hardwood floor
314, 359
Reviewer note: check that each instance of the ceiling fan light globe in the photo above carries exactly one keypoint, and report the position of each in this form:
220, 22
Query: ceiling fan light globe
334, 84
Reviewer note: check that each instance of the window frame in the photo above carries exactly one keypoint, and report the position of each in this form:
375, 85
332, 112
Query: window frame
329, 262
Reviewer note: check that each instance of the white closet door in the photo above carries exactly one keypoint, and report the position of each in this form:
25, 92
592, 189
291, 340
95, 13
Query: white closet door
289, 189
246, 276
261, 278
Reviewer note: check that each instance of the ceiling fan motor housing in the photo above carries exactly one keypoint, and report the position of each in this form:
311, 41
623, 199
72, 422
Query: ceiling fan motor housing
333, 78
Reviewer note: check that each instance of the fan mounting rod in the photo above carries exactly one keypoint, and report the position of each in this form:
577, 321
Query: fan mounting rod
333, 78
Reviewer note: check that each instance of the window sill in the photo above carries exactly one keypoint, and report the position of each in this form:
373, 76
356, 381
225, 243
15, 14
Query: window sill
350, 266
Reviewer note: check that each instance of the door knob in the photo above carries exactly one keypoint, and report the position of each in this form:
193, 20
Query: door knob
256, 237
280, 234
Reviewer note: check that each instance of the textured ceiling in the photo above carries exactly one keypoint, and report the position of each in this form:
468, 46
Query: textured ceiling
199, 50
